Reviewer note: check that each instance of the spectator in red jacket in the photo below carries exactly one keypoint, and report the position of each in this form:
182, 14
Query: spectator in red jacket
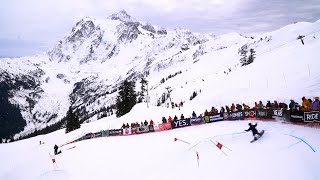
133, 128
151, 122
233, 107
275, 105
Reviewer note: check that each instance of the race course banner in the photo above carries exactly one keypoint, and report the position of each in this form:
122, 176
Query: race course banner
151, 128
165, 126
142, 129
127, 131
87, 136
235, 115
105, 133
296, 116
263, 113
258, 113
312, 116
214, 118
115, 132
246, 113
198, 120
283, 115
181, 123
97, 134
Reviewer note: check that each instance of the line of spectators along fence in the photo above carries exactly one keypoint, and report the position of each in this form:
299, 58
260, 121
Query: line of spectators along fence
307, 112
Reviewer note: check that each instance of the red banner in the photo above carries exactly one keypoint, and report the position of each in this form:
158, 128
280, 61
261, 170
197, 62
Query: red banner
165, 126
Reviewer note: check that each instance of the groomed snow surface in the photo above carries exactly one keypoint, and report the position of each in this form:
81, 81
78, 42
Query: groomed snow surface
276, 155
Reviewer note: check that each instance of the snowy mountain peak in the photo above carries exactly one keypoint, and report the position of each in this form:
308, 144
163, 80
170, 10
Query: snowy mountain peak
83, 28
121, 16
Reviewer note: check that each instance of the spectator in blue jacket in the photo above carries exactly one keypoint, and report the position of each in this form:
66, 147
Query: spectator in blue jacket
194, 115
315, 104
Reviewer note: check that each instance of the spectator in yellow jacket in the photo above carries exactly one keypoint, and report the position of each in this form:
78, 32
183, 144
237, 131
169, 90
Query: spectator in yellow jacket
305, 104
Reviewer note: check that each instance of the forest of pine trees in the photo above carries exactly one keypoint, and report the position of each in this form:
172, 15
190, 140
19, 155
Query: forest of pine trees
11, 120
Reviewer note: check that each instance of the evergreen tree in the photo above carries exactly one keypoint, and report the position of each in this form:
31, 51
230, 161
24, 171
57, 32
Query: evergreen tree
252, 56
126, 99
163, 98
162, 80
72, 119
243, 53
76, 121
108, 109
11, 120
143, 89
36, 133
69, 120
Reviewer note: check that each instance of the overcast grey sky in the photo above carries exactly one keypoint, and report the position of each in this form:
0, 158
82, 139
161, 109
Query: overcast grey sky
29, 27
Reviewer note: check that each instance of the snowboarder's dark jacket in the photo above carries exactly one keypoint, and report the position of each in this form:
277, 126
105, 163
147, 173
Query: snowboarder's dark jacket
253, 129
55, 149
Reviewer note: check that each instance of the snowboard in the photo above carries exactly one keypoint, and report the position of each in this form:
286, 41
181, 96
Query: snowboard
258, 137
70, 147
63, 150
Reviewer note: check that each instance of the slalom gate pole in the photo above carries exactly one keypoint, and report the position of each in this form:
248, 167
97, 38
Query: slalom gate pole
54, 163
225, 147
218, 148
198, 158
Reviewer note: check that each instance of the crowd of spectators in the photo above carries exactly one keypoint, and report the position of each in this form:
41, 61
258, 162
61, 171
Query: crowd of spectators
306, 105
137, 125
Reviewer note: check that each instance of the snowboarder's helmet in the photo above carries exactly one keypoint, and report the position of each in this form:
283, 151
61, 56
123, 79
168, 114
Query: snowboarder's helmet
249, 124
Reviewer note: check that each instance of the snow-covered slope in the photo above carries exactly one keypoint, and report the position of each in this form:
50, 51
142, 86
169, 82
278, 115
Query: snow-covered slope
277, 155
85, 68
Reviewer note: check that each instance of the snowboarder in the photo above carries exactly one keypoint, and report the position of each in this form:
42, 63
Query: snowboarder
56, 152
255, 132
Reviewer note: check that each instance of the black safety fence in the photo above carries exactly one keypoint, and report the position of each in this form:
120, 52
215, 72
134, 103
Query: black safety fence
273, 114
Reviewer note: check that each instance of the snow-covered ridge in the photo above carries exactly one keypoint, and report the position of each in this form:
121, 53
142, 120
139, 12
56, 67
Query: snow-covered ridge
85, 68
